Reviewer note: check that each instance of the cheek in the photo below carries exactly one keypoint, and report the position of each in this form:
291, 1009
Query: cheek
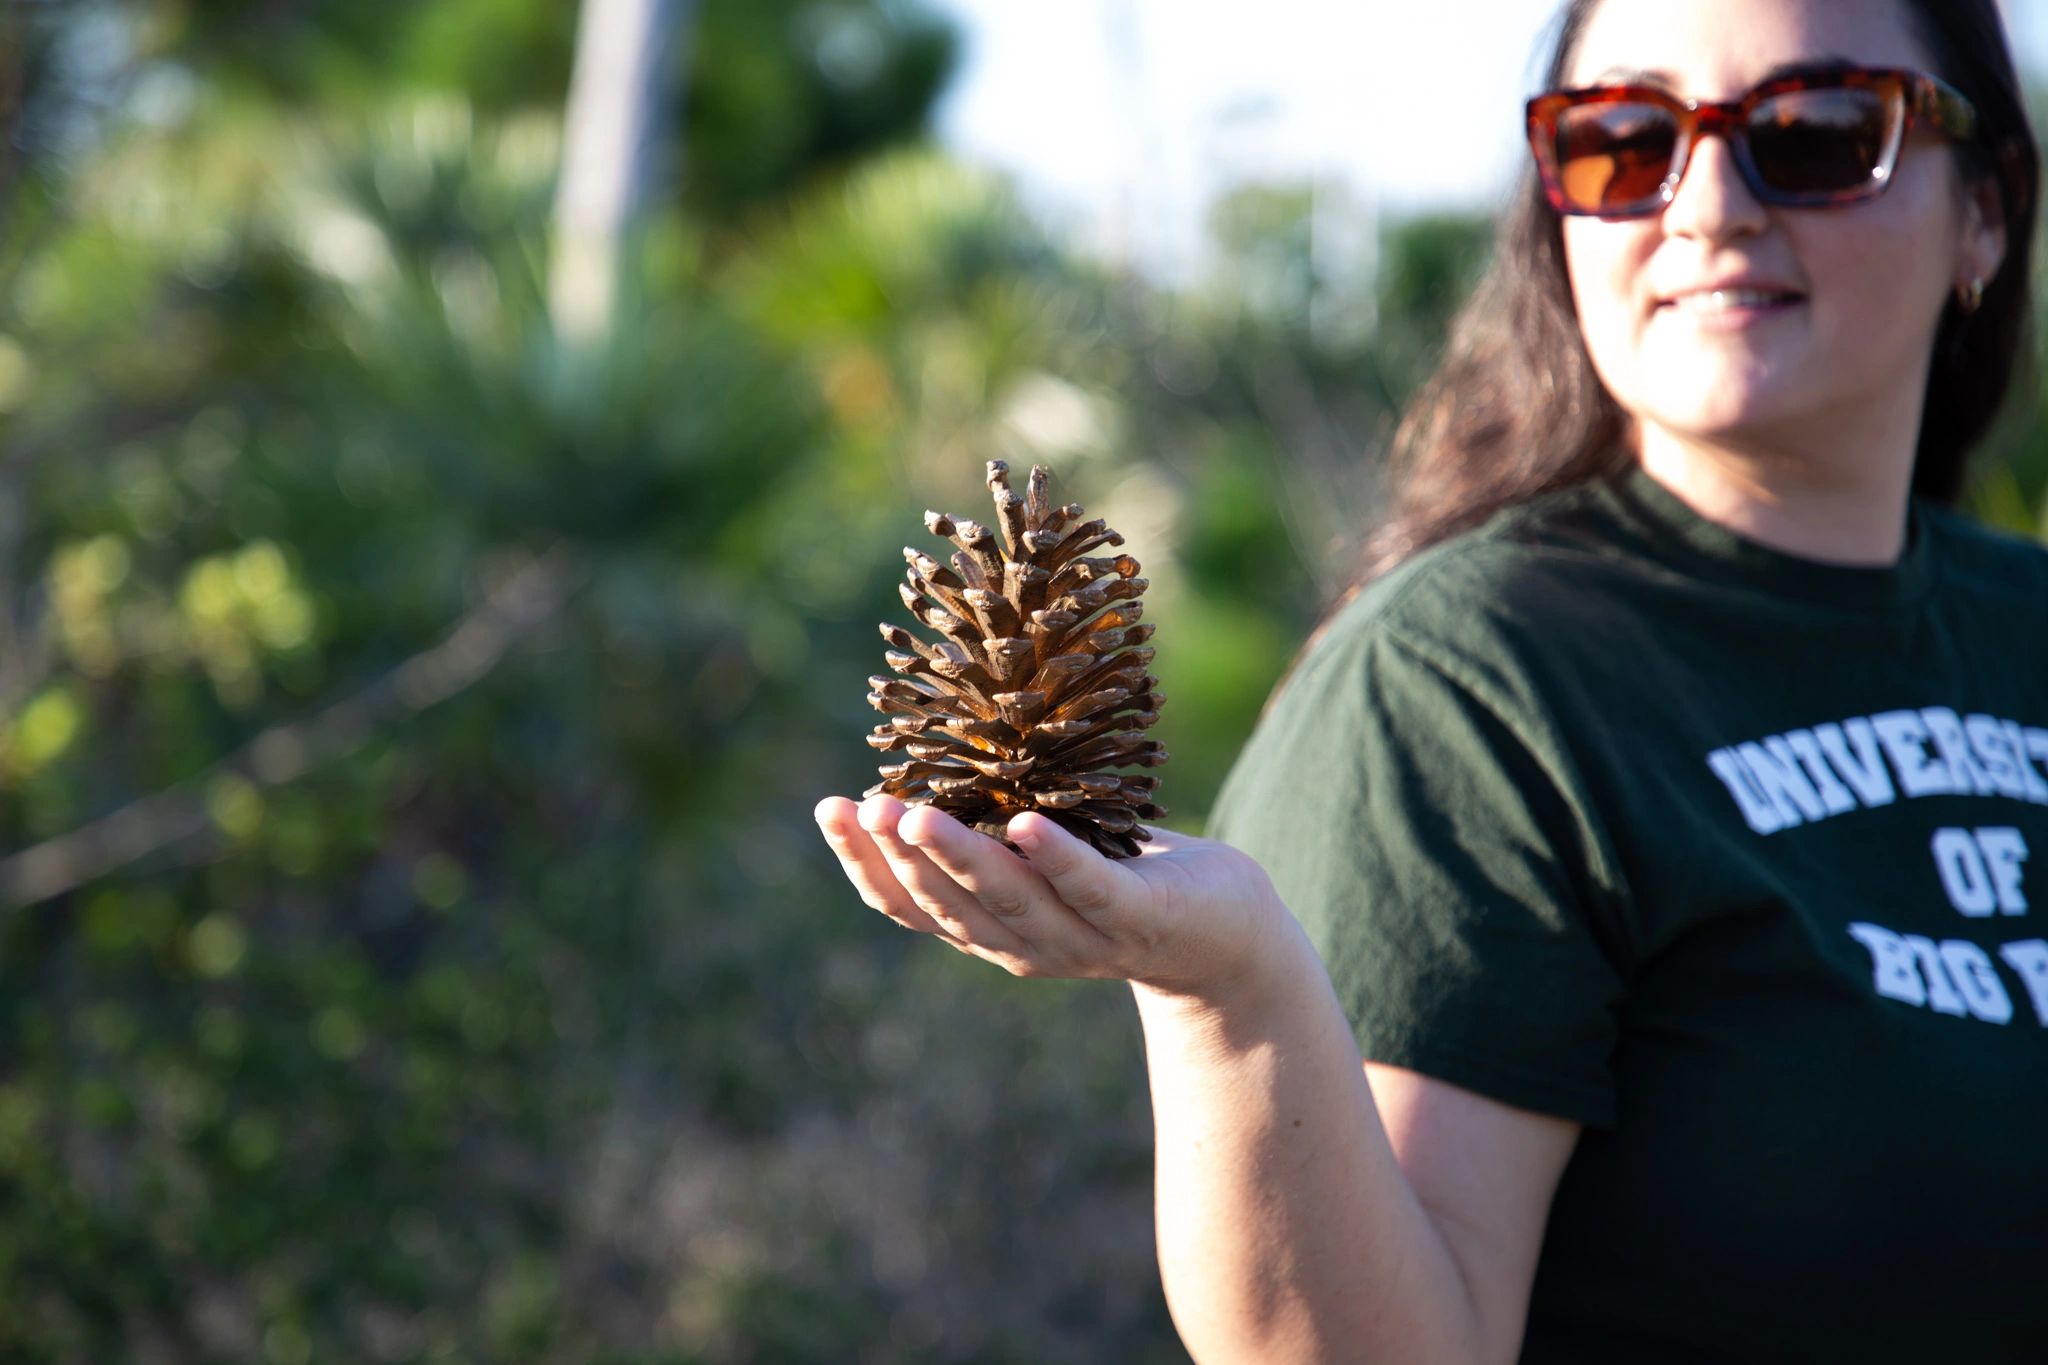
1605, 267
1893, 260
1860, 316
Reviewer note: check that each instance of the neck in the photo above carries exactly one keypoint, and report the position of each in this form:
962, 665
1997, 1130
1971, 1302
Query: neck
1852, 515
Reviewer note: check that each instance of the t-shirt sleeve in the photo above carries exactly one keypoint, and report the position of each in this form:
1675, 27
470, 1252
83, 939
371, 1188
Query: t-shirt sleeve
1444, 868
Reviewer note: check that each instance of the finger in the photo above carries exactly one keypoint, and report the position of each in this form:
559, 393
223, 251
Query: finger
867, 869
1165, 841
1097, 887
1006, 885
938, 895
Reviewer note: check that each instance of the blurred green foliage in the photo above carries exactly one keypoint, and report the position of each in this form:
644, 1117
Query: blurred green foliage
416, 943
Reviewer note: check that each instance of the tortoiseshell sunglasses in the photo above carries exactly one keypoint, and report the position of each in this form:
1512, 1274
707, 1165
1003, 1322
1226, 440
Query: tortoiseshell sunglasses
1808, 140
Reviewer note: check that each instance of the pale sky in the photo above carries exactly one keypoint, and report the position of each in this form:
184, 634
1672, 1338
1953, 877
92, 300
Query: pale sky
1119, 118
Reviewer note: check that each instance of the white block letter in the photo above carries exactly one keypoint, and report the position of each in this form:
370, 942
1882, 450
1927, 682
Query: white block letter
1945, 727
1892, 968
1970, 968
1782, 779
2005, 849
1996, 754
1963, 874
1942, 995
2029, 958
1904, 736
1756, 807
1852, 747
2030, 776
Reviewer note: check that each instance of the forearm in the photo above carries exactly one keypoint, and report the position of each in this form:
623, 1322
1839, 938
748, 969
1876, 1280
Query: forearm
1287, 1230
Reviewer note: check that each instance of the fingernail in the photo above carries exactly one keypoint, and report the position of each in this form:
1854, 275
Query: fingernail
1028, 841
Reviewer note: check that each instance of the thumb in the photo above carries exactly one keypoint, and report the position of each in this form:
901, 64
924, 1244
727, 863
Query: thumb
1088, 881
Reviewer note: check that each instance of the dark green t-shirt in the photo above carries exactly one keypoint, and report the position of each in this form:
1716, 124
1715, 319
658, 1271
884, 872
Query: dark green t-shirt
1608, 813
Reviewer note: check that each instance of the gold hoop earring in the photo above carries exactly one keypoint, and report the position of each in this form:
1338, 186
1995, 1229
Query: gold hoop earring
1970, 297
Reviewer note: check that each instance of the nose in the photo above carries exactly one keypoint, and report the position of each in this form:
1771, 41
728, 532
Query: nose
1713, 201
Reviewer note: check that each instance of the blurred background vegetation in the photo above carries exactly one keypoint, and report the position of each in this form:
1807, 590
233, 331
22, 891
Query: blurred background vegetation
416, 944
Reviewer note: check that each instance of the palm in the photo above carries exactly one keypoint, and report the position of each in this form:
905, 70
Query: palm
1183, 914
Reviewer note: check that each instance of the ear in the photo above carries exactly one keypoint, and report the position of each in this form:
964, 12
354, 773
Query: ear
1982, 242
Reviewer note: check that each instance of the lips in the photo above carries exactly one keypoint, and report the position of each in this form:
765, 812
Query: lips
1731, 297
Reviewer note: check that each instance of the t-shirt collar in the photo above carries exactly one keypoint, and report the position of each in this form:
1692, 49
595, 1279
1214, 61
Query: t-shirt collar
1668, 521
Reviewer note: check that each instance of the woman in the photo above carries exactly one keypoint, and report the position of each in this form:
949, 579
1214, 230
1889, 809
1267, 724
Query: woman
1659, 813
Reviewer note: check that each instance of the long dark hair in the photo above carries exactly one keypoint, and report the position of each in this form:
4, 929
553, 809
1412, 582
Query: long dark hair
1515, 409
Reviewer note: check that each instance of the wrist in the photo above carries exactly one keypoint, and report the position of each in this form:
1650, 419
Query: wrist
1277, 964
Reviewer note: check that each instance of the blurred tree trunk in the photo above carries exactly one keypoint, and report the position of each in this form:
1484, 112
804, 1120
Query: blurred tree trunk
610, 150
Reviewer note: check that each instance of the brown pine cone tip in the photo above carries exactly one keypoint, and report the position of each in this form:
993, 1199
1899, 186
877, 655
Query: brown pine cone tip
1038, 687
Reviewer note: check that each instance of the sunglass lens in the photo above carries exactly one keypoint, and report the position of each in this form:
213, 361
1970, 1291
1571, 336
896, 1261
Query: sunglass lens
1614, 158
1820, 144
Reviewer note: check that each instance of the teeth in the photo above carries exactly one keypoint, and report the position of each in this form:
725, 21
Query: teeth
1721, 300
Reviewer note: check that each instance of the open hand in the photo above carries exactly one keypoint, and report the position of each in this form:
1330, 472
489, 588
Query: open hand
1187, 916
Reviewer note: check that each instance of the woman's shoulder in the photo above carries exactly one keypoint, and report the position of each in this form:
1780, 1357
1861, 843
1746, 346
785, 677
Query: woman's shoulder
1524, 570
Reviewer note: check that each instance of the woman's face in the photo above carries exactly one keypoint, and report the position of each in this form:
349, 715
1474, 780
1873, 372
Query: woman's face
1863, 286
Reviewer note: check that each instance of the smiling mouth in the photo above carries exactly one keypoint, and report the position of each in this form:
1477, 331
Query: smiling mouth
1717, 301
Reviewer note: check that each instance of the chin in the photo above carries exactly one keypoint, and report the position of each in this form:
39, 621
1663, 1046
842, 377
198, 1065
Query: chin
1702, 396
1725, 418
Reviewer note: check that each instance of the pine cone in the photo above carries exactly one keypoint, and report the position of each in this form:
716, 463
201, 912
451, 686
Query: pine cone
1039, 684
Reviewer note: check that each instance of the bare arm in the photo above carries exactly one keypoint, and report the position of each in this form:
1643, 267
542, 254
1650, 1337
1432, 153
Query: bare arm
1306, 1215
1300, 1218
